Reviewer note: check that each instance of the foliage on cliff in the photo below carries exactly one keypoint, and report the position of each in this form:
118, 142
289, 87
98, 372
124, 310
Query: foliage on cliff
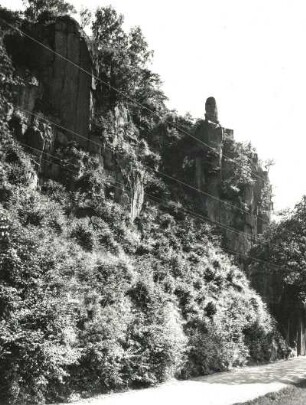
124, 74
45, 9
90, 301
93, 303
282, 250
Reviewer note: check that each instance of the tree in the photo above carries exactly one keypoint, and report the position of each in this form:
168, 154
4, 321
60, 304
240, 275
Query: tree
45, 9
280, 272
86, 17
122, 62
283, 248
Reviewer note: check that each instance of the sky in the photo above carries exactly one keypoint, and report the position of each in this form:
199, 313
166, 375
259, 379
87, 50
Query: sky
248, 54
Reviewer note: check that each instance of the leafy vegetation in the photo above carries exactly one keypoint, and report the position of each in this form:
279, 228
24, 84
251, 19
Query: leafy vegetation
91, 301
124, 73
93, 304
284, 242
282, 256
45, 9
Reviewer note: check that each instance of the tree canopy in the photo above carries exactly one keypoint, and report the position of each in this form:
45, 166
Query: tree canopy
283, 247
40, 9
123, 64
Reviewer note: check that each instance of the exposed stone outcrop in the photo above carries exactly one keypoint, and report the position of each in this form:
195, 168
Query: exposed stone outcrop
58, 89
211, 110
115, 164
62, 92
247, 221
67, 89
212, 169
137, 195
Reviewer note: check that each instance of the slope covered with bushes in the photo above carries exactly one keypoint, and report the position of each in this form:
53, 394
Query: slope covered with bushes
90, 300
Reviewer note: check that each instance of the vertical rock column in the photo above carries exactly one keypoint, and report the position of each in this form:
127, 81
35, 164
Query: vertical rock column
69, 86
209, 161
60, 89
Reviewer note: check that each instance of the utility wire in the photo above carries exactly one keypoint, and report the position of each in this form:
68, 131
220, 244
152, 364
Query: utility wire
59, 159
121, 93
189, 212
156, 171
212, 196
253, 258
140, 105
193, 213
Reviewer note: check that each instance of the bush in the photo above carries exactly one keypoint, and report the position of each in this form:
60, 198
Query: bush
156, 343
90, 302
101, 341
36, 339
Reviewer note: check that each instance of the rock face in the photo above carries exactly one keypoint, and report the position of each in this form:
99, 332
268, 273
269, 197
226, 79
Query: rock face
58, 89
61, 89
213, 169
66, 90
115, 164
63, 92
56, 106
208, 165
211, 111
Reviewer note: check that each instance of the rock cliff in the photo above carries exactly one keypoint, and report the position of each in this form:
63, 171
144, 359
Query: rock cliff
110, 257
64, 94
55, 102
57, 88
236, 190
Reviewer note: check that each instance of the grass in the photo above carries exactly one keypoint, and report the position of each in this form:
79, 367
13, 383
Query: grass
293, 395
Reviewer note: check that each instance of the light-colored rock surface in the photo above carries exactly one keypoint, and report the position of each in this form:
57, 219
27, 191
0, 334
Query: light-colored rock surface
239, 385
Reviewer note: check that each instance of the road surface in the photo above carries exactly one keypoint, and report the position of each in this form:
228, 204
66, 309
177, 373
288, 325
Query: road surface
227, 388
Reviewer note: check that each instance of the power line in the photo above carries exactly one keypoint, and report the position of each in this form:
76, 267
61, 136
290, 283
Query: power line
48, 154
196, 215
156, 171
252, 258
204, 218
91, 74
212, 196
189, 212
59, 164
148, 109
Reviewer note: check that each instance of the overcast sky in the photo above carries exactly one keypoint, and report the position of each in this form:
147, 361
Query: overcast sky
249, 55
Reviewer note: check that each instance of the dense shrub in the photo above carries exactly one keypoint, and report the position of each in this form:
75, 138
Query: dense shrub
282, 255
90, 302
214, 297
35, 334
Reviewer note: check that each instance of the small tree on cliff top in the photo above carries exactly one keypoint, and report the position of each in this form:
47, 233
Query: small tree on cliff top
123, 63
41, 9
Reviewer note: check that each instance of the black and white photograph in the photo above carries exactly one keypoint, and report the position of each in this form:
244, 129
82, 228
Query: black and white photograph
152, 202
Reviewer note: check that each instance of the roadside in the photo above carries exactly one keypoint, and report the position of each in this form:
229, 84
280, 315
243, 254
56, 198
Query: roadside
229, 388
293, 395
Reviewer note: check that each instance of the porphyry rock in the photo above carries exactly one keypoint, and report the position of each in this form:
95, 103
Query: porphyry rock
211, 110
60, 61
